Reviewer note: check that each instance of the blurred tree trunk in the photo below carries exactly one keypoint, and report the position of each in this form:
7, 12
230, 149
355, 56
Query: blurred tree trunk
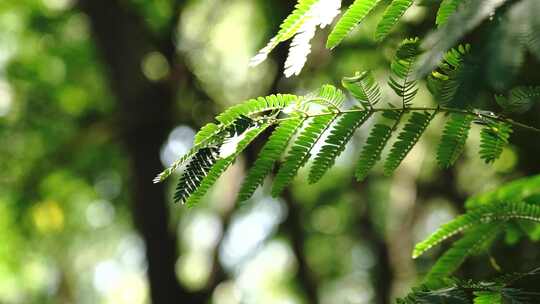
144, 112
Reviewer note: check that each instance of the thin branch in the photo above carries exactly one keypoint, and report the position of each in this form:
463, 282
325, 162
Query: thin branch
443, 110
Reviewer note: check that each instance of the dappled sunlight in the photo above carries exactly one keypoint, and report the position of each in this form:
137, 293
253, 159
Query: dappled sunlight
378, 122
264, 278
119, 285
249, 229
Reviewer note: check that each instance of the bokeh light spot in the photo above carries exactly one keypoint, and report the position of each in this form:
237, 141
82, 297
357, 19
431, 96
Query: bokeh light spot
100, 214
48, 217
155, 66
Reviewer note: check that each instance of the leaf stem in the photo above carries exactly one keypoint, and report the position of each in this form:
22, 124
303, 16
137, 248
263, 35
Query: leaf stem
438, 110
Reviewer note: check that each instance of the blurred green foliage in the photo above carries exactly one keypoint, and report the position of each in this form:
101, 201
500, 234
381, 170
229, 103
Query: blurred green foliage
68, 233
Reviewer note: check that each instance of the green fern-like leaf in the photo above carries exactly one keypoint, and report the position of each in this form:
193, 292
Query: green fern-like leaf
493, 138
471, 243
256, 106
457, 225
514, 191
375, 143
519, 211
350, 19
203, 141
176, 165
453, 139
195, 172
202, 173
364, 88
288, 28
487, 297
391, 15
329, 96
205, 133
466, 18
197, 191
270, 153
295, 20
425, 295
402, 80
520, 99
498, 211
445, 82
301, 151
447, 8
335, 143
457, 291
213, 134
409, 136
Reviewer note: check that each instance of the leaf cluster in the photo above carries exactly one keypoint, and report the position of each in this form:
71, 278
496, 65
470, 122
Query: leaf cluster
316, 128
504, 210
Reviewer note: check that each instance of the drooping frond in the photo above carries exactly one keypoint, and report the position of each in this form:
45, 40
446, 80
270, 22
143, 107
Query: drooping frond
256, 106
301, 151
453, 59
375, 143
448, 79
458, 291
195, 172
453, 139
322, 113
335, 144
493, 137
466, 18
300, 48
350, 19
474, 240
447, 8
302, 25
329, 96
426, 295
364, 88
194, 196
320, 14
205, 133
205, 138
514, 191
163, 175
269, 155
235, 133
402, 80
457, 225
500, 211
409, 136
487, 297
520, 99
293, 22
391, 15
288, 29
192, 187
214, 134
